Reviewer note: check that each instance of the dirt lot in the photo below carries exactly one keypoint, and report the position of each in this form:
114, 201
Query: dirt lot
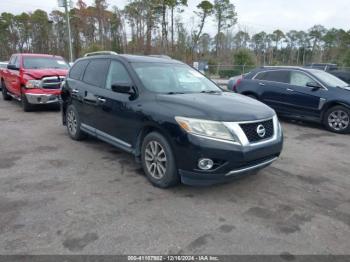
58, 196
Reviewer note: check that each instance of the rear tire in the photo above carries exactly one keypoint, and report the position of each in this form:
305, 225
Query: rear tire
73, 124
158, 161
337, 120
4, 91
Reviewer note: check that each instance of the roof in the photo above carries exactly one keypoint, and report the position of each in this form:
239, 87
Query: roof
148, 59
38, 55
284, 67
136, 58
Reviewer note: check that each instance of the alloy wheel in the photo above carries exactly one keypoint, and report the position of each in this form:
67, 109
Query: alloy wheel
339, 120
155, 159
72, 123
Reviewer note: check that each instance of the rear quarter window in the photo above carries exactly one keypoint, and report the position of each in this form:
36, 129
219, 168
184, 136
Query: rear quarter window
280, 76
96, 72
76, 72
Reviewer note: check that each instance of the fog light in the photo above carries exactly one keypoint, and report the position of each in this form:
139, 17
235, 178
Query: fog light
205, 163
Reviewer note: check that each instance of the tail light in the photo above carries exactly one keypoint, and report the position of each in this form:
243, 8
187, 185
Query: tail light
234, 89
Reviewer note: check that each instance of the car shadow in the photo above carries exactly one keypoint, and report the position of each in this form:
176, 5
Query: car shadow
302, 123
39, 108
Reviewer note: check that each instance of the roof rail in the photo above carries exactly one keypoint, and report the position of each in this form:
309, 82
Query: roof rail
161, 56
292, 67
101, 53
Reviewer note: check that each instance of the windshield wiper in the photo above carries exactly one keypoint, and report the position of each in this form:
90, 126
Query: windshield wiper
210, 92
175, 93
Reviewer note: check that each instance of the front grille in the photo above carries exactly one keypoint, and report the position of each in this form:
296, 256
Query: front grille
251, 130
53, 82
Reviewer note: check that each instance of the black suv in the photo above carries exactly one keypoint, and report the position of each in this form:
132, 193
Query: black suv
307, 94
178, 123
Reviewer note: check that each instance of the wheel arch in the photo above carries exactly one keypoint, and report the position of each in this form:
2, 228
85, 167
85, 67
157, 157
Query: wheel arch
147, 129
246, 93
66, 101
331, 104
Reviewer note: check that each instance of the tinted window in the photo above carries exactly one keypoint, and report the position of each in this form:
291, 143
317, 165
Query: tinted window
78, 69
275, 76
299, 79
96, 71
117, 73
44, 62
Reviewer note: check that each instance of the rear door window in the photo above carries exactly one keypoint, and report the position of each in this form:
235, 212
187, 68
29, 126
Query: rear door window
78, 69
280, 76
96, 72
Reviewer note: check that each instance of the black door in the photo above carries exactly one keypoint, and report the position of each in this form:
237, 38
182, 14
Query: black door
119, 115
93, 82
273, 87
303, 100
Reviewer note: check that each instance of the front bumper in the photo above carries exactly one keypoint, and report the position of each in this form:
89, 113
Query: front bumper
231, 160
34, 98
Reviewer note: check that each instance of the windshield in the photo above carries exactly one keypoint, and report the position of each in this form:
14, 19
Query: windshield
44, 62
173, 78
329, 79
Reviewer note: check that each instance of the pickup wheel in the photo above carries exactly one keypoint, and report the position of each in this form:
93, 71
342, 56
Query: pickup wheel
27, 107
337, 119
73, 123
4, 91
158, 161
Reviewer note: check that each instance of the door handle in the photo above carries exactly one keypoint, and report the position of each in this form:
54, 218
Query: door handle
261, 84
75, 91
290, 90
102, 100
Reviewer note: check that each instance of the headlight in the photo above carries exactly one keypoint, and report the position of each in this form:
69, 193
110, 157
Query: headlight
211, 129
33, 84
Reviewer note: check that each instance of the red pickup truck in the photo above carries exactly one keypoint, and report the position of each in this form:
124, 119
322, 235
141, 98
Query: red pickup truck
33, 79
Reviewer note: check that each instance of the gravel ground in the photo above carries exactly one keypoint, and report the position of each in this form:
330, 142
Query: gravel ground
58, 196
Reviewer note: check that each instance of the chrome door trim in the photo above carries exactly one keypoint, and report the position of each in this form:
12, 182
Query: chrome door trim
104, 136
246, 169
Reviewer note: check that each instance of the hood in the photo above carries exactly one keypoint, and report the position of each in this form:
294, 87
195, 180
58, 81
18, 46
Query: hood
345, 88
229, 107
43, 72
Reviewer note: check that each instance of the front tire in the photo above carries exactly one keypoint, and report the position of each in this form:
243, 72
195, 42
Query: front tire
337, 119
27, 107
4, 91
158, 161
73, 124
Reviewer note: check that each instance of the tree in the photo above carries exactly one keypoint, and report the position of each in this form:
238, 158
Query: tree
172, 5
205, 10
316, 34
259, 46
241, 39
243, 57
346, 60
226, 17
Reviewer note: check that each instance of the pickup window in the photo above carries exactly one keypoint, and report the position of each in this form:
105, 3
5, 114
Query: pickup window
44, 62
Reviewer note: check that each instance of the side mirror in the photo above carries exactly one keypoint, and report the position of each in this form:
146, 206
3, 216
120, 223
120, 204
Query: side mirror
123, 88
314, 85
12, 67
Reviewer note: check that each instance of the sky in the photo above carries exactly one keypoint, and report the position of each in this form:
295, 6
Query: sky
253, 15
